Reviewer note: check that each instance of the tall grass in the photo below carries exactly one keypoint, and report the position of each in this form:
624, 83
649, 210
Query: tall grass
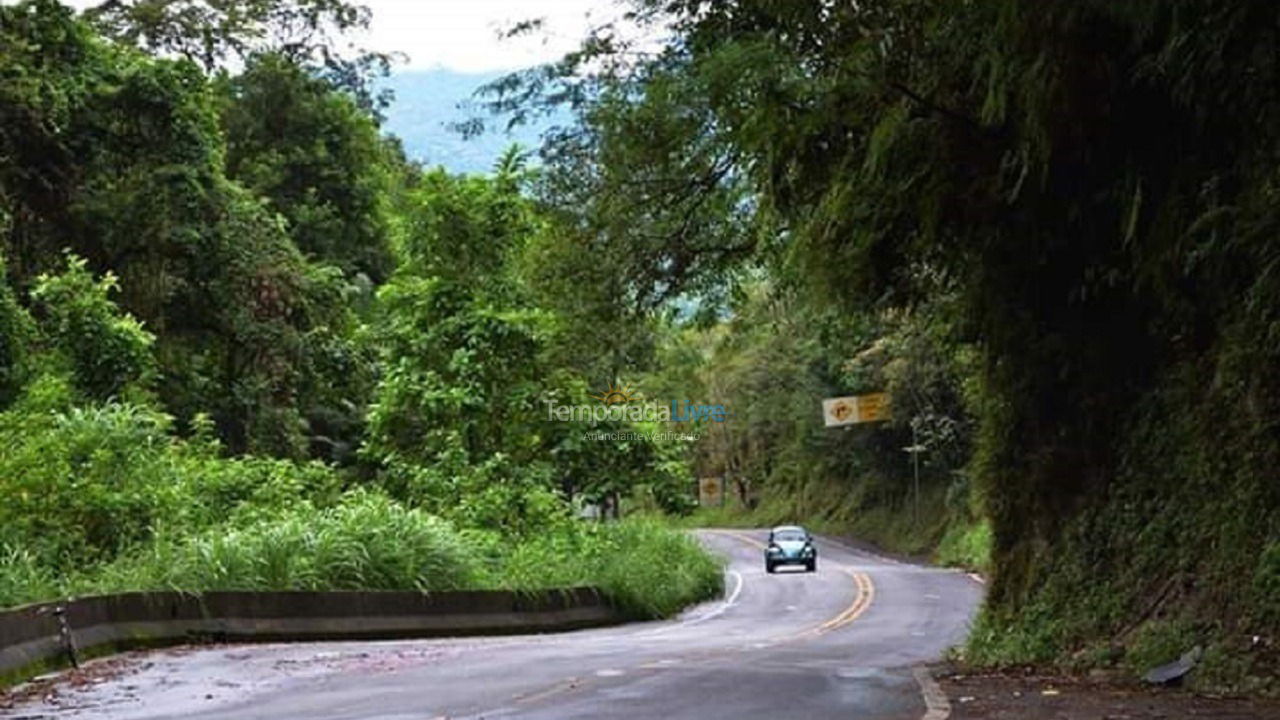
370, 542
367, 542
23, 579
106, 500
647, 569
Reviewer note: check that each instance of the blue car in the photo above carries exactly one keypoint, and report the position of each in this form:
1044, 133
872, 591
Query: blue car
790, 545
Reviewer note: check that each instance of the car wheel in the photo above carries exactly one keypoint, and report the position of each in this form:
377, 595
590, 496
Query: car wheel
768, 567
811, 565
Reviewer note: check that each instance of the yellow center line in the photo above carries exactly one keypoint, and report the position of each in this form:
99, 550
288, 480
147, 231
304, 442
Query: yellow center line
743, 537
861, 602
866, 592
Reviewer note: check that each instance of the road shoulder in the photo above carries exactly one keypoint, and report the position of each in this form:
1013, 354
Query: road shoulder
1017, 696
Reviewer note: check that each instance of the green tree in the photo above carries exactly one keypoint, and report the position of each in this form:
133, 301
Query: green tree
120, 157
108, 351
214, 34
455, 418
17, 337
316, 157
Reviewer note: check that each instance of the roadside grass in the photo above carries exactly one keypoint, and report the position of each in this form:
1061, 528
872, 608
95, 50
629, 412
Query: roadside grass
107, 500
966, 545
647, 568
23, 579
370, 542
725, 517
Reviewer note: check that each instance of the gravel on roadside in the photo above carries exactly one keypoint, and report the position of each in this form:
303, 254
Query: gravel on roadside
1028, 696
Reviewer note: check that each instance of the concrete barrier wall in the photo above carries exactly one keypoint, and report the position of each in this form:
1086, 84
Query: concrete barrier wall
30, 637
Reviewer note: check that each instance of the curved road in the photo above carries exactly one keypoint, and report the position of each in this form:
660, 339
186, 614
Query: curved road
838, 643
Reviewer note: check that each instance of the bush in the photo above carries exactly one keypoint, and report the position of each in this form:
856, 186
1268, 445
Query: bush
23, 579
648, 569
966, 545
83, 484
17, 333
80, 485
366, 542
1266, 584
108, 350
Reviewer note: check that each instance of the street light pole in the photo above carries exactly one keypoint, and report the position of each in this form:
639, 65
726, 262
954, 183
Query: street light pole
915, 458
915, 449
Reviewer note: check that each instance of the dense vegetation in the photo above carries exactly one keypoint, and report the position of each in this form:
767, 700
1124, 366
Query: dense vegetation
1047, 227
237, 322
244, 343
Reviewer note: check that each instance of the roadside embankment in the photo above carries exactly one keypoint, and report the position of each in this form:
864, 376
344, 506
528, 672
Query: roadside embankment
47, 635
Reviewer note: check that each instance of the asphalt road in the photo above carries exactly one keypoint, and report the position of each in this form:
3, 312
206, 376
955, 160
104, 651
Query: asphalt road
838, 643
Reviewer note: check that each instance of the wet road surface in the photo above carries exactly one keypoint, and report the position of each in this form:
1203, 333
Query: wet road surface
837, 643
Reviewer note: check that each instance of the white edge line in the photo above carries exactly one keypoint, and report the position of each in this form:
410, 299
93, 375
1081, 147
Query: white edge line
728, 602
937, 707
733, 597
714, 612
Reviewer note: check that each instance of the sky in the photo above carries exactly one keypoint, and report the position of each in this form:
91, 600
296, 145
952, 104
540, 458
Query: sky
463, 35
450, 48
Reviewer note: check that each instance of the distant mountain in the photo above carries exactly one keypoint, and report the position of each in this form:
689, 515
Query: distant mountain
426, 101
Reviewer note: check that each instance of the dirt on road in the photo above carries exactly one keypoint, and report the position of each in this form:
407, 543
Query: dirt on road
1014, 696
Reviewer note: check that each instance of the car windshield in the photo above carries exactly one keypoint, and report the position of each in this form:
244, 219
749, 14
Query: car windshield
789, 536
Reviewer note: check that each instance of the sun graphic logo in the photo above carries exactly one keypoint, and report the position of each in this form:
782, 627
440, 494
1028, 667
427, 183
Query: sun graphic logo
616, 395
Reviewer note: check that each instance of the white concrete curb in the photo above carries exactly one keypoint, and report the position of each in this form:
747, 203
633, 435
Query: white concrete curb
935, 701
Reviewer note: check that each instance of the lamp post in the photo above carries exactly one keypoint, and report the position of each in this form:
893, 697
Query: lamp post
915, 448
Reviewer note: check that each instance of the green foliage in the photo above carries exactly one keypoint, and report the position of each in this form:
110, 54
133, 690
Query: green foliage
215, 34
121, 158
82, 484
466, 229
496, 494
23, 578
85, 483
315, 156
1266, 583
1095, 184
108, 351
458, 372
1164, 553
649, 570
967, 546
252, 277
17, 336
469, 363
460, 351
1158, 643
365, 542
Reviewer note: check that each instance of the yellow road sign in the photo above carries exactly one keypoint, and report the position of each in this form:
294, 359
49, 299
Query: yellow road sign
853, 409
873, 407
711, 491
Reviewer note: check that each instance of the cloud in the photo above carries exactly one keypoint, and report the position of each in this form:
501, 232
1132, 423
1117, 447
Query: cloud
464, 35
